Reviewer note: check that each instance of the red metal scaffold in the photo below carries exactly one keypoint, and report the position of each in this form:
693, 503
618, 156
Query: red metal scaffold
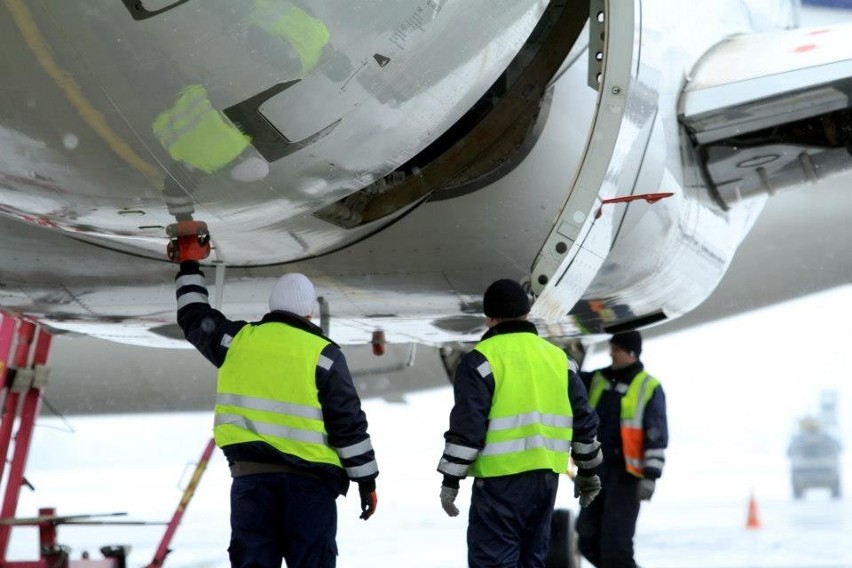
24, 348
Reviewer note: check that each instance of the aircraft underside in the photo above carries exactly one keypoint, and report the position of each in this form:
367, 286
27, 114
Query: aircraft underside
400, 160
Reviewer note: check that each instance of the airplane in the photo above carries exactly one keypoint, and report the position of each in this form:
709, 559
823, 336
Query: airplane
532, 148
613, 156
402, 161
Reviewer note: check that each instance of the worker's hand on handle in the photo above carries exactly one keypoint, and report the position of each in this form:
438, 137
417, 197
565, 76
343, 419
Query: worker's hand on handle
645, 489
586, 487
448, 500
369, 499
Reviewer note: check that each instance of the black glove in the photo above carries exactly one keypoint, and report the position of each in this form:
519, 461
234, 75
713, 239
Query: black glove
369, 499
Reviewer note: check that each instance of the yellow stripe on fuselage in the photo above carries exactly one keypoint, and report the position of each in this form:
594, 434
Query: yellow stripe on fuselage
31, 34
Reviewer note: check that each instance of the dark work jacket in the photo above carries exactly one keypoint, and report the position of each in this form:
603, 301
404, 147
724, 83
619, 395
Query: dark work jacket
345, 422
654, 421
473, 396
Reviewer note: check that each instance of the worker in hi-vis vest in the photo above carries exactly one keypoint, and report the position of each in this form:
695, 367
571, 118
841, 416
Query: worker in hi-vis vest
520, 411
633, 432
288, 420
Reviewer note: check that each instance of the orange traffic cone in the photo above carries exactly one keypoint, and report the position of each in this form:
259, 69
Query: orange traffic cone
753, 522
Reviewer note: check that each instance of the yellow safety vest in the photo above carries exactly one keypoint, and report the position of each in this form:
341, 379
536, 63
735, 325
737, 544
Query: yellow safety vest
195, 133
633, 404
267, 393
531, 424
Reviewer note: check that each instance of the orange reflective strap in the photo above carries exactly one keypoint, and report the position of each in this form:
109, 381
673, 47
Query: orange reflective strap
633, 443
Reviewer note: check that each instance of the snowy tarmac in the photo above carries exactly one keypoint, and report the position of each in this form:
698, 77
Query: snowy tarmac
735, 389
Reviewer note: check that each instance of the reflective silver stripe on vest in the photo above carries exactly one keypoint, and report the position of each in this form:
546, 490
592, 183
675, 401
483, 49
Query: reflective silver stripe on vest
460, 452
633, 462
266, 429
191, 280
528, 443
355, 449
265, 405
226, 340
324, 362
452, 468
484, 369
362, 470
534, 417
636, 421
191, 298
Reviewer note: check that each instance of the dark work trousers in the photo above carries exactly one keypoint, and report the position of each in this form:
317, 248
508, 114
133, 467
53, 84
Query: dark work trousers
509, 524
282, 515
607, 525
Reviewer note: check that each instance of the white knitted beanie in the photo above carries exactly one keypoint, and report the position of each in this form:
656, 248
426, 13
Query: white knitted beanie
293, 293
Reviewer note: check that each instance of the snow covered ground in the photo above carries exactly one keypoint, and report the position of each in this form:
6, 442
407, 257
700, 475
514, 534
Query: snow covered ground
735, 389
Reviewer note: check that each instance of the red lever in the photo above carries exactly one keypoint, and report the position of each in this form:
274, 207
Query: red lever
188, 240
649, 197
